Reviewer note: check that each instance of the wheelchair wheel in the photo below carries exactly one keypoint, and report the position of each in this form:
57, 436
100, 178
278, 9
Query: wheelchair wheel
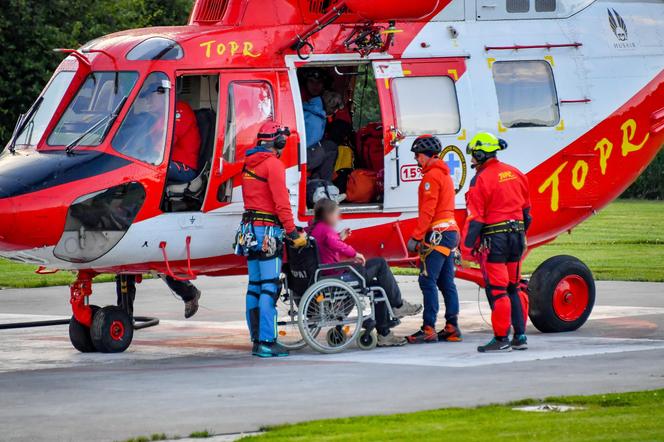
335, 310
336, 336
367, 340
288, 330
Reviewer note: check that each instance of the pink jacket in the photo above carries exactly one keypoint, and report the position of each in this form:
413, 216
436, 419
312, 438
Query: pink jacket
330, 247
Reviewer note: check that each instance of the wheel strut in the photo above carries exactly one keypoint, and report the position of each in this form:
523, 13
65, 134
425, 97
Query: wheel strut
80, 290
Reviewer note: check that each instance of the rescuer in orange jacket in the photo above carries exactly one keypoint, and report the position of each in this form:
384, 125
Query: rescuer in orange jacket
498, 205
260, 236
436, 237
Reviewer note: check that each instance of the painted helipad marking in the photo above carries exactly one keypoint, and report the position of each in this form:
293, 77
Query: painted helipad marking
464, 354
49, 347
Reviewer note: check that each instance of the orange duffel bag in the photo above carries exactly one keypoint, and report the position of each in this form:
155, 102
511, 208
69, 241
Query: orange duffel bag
361, 186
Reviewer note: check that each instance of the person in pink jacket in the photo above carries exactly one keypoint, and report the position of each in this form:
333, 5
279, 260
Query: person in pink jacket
332, 249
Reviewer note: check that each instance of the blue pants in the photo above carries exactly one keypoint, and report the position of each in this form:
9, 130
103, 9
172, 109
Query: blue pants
179, 173
440, 275
263, 291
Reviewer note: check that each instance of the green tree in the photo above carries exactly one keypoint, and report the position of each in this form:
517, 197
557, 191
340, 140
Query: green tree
30, 29
650, 185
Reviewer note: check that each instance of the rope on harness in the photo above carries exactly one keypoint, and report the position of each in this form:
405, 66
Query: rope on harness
435, 236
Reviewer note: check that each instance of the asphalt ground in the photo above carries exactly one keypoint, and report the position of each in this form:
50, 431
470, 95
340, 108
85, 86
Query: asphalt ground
191, 375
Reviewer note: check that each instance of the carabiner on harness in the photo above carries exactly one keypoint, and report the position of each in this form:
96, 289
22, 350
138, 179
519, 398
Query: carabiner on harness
245, 239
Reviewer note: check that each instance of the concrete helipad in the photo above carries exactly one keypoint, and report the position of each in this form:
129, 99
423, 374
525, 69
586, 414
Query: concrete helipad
186, 376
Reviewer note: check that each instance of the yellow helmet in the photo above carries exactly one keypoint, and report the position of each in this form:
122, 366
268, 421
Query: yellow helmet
485, 142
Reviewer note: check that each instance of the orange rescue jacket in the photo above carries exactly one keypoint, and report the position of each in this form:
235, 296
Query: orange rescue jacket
435, 198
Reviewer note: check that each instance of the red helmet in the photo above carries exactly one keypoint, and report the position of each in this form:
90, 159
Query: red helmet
268, 131
272, 132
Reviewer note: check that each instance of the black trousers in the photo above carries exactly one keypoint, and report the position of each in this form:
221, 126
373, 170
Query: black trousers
377, 272
321, 158
184, 289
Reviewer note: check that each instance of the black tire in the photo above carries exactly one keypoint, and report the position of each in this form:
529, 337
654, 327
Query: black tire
79, 334
112, 330
562, 294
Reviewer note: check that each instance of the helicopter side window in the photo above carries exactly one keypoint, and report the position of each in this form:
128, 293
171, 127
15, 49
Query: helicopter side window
426, 105
526, 93
34, 129
142, 134
86, 120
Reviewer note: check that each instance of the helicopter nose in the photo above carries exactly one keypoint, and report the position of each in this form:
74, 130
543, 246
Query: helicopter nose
7, 223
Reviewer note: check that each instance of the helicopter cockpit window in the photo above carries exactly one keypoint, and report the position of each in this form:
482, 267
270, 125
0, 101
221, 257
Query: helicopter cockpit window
142, 134
526, 93
156, 48
90, 114
33, 130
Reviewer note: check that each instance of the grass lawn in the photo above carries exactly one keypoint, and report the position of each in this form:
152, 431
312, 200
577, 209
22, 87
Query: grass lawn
23, 276
625, 242
616, 417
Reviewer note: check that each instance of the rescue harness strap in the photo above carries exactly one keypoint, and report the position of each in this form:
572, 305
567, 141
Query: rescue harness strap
511, 226
265, 281
435, 236
251, 216
253, 174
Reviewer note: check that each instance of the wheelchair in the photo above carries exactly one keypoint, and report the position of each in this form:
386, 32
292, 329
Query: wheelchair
327, 307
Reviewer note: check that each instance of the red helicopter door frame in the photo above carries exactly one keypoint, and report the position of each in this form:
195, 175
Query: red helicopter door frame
246, 99
419, 97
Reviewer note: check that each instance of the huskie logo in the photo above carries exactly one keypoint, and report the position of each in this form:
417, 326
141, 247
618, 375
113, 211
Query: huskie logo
619, 29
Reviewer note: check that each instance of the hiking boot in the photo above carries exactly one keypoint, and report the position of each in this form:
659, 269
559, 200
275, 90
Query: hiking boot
390, 340
426, 334
495, 345
519, 342
407, 309
450, 333
191, 306
270, 350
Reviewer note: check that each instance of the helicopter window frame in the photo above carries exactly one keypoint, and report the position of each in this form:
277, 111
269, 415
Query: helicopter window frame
229, 152
432, 107
516, 98
53, 94
94, 98
162, 51
165, 127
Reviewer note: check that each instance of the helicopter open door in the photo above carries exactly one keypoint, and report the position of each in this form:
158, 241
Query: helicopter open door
423, 97
247, 100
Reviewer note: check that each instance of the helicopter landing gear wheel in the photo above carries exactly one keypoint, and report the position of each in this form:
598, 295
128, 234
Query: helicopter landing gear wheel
562, 294
79, 334
112, 330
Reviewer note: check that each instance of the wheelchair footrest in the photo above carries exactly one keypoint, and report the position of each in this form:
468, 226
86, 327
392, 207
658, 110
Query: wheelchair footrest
369, 324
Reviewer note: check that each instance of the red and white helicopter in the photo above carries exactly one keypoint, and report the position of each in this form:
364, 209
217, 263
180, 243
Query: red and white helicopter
575, 86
